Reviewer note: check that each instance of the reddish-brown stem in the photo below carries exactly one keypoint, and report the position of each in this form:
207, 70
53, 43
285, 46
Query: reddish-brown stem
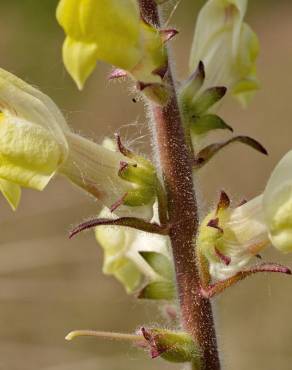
176, 165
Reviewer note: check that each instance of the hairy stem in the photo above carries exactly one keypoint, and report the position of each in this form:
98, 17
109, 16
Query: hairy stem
176, 165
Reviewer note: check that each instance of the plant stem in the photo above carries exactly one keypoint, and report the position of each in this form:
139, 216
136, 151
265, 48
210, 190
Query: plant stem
176, 165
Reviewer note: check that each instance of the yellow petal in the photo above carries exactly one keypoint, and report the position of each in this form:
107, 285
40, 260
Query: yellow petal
20, 99
114, 25
128, 274
107, 30
11, 192
79, 59
153, 54
277, 203
68, 16
29, 154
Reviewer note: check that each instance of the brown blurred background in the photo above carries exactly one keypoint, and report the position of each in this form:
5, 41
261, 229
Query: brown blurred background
50, 285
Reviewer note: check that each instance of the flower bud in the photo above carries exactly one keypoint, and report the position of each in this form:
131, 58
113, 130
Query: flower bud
110, 31
227, 46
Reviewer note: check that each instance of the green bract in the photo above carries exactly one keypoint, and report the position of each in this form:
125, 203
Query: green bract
227, 46
110, 31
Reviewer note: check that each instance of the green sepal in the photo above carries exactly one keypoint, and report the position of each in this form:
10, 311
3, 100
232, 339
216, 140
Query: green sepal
160, 264
177, 347
206, 100
207, 123
190, 88
143, 176
182, 348
141, 196
138, 175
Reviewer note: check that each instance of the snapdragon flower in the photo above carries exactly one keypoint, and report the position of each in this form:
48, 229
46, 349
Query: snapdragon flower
32, 137
230, 237
111, 31
227, 46
36, 143
123, 252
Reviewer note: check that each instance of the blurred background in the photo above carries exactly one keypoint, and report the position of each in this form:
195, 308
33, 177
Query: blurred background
50, 285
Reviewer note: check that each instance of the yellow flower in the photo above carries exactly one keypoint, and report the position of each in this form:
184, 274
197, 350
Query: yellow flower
229, 238
32, 139
122, 253
110, 31
36, 143
277, 205
227, 46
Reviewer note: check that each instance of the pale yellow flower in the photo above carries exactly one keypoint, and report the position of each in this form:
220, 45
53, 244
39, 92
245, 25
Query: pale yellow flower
227, 46
241, 233
36, 143
111, 31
